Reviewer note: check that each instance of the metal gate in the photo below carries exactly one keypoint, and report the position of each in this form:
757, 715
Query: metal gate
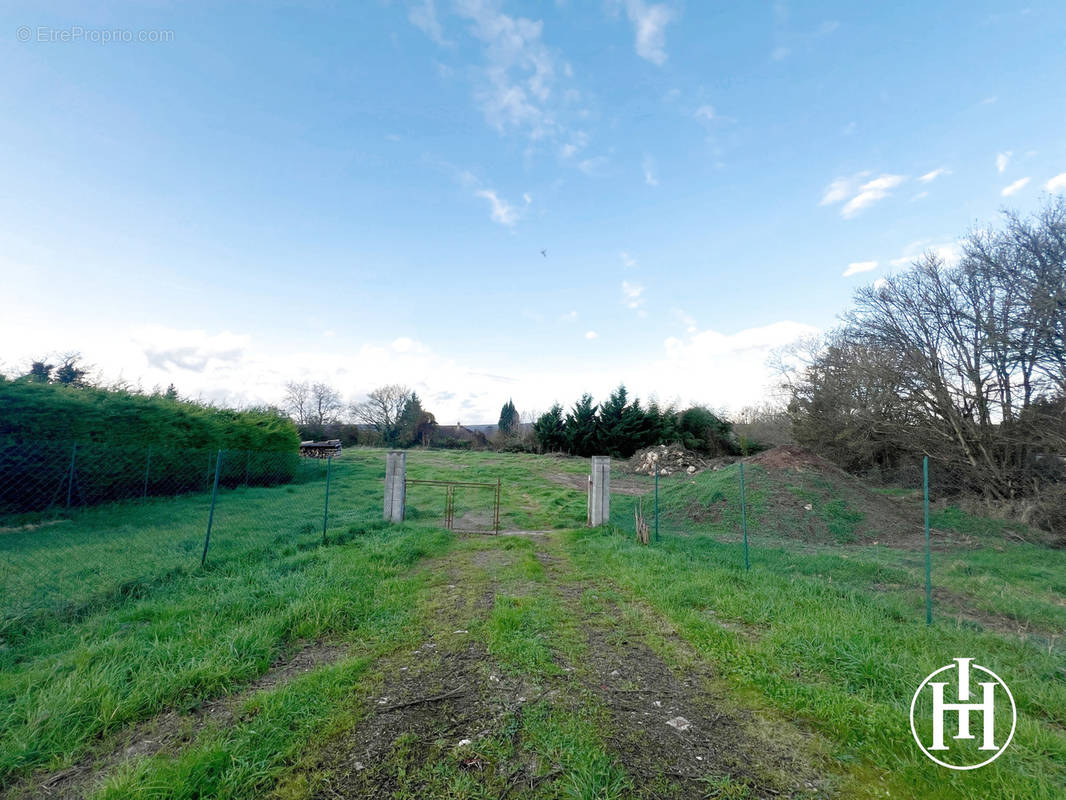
463, 523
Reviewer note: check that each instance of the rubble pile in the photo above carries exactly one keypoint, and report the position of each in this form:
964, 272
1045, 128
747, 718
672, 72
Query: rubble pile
669, 459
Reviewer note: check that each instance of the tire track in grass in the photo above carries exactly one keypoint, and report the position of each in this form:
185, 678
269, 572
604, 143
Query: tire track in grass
477, 710
675, 732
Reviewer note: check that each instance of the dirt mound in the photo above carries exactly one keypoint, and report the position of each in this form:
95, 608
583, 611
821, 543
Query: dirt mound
791, 456
812, 499
671, 459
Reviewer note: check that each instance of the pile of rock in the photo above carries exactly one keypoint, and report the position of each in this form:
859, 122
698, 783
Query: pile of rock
667, 459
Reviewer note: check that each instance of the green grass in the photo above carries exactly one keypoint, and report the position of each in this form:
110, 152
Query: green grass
196, 637
107, 620
842, 658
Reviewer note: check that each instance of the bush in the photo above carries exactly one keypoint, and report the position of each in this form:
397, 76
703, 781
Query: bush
113, 431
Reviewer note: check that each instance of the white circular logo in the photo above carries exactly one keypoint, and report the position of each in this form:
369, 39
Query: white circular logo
984, 709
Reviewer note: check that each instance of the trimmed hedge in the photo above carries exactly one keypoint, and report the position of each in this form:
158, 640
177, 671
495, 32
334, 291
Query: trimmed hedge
39, 424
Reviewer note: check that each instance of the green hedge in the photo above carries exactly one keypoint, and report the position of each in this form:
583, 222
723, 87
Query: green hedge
39, 424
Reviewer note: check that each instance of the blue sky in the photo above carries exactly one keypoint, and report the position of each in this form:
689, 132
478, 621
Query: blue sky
359, 193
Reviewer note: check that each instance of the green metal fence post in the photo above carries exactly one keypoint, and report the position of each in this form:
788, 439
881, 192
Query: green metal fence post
70, 476
656, 502
744, 517
928, 554
211, 513
147, 467
325, 513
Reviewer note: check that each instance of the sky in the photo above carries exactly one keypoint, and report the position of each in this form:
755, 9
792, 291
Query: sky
490, 200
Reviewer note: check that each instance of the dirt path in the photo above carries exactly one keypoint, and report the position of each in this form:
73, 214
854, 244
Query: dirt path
616, 705
673, 727
448, 712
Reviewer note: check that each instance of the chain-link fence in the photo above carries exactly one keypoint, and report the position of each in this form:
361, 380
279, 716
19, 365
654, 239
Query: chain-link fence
85, 523
763, 511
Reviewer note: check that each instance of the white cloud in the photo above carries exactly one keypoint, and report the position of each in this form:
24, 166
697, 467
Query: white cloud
631, 293
727, 371
527, 198
1057, 184
627, 259
848, 129
704, 112
934, 174
948, 252
780, 53
517, 81
837, 191
685, 319
423, 16
1017, 186
649, 26
578, 141
919, 196
502, 211
595, 167
855, 267
650, 177
591, 335
171, 349
569, 316
859, 195
1002, 159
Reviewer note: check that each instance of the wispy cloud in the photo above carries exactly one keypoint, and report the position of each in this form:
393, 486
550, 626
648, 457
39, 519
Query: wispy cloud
569, 316
650, 176
591, 335
627, 259
932, 175
706, 113
948, 252
919, 196
686, 319
516, 86
649, 27
632, 294
423, 16
595, 167
1002, 159
855, 193
855, 267
501, 211
1017, 186
1057, 184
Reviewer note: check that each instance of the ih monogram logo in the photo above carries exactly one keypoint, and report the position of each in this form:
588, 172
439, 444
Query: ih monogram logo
984, 711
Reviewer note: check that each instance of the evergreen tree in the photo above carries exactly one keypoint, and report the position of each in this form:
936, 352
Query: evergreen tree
508, 418
583, 428
550, 430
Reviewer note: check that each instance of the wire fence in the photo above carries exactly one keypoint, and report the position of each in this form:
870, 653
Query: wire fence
762, 514
87, 523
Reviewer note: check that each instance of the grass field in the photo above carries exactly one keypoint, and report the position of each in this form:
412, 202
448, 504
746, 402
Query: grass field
406, 661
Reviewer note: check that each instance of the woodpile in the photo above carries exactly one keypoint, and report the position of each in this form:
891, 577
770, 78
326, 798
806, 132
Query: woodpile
328, 449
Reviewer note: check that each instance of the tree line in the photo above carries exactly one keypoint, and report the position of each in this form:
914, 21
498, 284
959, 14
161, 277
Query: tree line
619, 427
962, 362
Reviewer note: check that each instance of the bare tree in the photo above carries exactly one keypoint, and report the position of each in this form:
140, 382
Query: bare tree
325, 405
382, 409
297, 401
964, 363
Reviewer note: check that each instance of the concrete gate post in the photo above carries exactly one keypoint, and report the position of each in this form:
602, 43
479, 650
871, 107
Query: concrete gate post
395, 485
600, 498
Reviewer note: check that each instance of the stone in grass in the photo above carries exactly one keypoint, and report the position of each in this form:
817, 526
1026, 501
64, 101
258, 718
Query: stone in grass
679, 723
